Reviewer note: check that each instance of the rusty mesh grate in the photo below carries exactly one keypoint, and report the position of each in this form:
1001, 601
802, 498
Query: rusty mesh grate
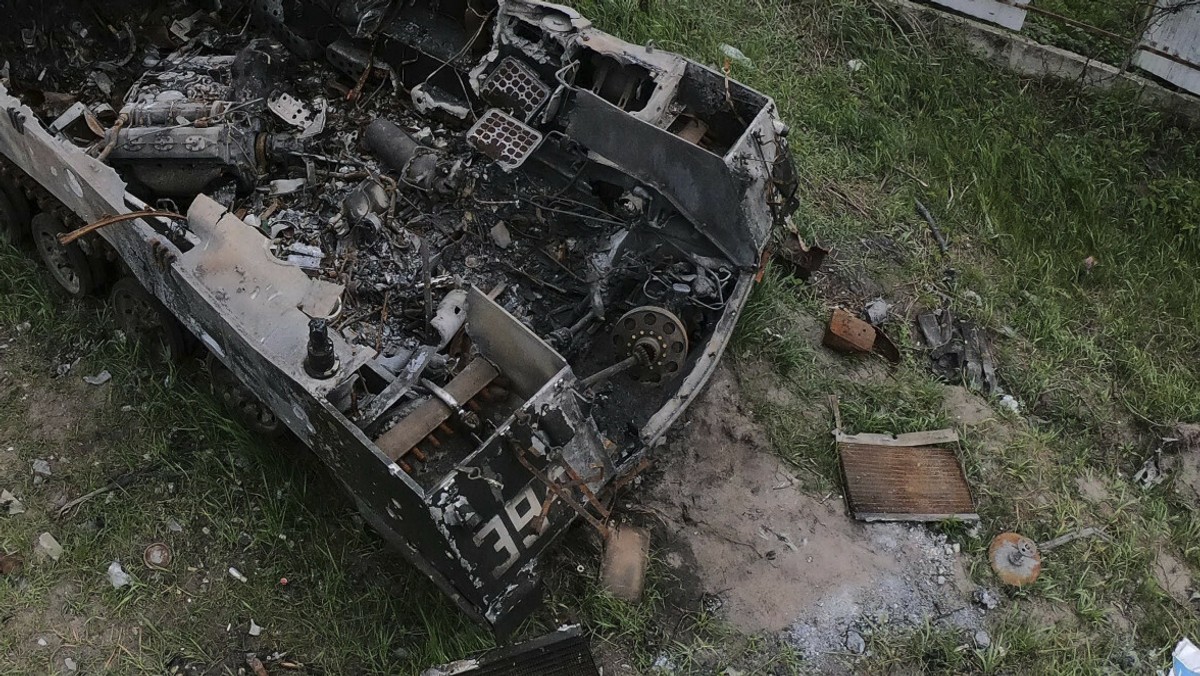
905, 483
563, 653
515, 86
503, 138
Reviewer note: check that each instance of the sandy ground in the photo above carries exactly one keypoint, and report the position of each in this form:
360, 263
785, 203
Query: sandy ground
774, 559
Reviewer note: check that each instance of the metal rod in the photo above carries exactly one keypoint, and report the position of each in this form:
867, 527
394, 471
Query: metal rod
619, 367
68, 237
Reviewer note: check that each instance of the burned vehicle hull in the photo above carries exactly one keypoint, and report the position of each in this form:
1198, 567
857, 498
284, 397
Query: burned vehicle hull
477, 256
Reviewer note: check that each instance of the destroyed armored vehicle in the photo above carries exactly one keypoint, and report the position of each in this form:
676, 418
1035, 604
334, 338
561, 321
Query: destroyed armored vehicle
477, 255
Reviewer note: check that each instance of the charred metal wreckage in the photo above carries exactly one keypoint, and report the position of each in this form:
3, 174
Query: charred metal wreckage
477, 255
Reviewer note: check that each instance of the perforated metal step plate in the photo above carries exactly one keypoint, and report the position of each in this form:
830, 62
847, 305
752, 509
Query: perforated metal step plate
515, 87
563, 653
504, 138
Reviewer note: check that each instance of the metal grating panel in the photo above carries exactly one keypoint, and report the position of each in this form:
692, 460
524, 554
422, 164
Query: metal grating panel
515, 86
1176, 31
914, 483
1009, 14
504, 138
564, 653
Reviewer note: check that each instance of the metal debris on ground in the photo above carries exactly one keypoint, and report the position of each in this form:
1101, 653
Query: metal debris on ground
47, 547
157, 556
11, 504
1151, 473
847, 333
960, 351
566, 652
797, 258
1089, 532
943, 245
626, 554
904, 477
1015, 559
117, 575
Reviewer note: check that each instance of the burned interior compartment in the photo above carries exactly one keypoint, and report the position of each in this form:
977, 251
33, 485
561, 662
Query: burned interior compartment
477, 255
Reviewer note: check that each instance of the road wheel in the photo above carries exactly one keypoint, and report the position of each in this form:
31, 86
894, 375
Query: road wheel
245, 406
14, 213
144, 319
69, 265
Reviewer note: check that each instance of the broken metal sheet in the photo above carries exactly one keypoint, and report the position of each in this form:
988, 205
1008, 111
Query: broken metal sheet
797, 258
1006, 13
904, 477
847, 333
960, 351
566, 652
1174, 32
906, 440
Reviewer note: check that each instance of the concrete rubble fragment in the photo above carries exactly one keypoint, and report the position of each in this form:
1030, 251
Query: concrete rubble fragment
117, 576
47, 548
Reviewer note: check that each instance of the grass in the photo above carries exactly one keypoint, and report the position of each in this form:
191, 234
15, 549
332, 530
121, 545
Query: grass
1027, 178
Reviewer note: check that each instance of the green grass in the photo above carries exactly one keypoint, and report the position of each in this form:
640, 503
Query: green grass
1122, 18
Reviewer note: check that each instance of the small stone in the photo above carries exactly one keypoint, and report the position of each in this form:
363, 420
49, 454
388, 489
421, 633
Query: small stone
70, 664
41, 468
941, 579
47, 547
42, 642
877, 311
254, 630
985, 598
98, 379
856, 65
117, 575
501, 236
855, 643
982, 639
174, 526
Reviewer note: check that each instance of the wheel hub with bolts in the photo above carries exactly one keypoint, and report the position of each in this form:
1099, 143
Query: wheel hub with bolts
656, 339
1015, 558
67, 264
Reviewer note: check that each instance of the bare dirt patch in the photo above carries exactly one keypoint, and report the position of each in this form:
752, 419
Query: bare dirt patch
1172, 576
777, 560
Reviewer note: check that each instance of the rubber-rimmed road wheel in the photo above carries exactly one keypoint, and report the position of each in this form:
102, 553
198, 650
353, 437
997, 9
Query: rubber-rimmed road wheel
14, 214
69, 265
144, 319
245, 406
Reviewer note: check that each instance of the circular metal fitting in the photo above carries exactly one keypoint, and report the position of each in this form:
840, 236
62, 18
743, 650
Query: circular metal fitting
157, 556
656, 338
1015, 558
